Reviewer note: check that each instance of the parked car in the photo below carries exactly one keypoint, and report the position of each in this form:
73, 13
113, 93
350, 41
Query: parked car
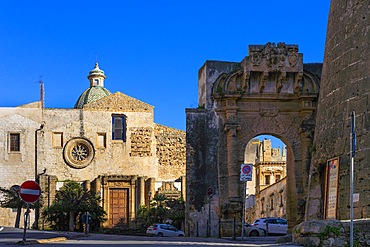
164, 230
252, 231
277, 226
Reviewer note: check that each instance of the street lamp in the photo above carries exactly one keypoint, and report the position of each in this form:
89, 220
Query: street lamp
149, 195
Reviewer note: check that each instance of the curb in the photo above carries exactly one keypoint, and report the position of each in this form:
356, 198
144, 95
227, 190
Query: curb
50, 240
43, 241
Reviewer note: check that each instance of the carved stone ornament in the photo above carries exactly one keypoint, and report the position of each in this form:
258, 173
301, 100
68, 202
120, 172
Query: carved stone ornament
256, 58
293, 57
78, 153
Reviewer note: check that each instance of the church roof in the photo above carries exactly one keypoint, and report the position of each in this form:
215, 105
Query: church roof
119, 102
91, 94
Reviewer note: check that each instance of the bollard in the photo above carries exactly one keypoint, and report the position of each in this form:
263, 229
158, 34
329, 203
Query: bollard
208, 228
219, 228
234, 230
197, 229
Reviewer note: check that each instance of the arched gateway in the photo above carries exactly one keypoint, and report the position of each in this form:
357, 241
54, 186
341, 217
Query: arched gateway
270, 91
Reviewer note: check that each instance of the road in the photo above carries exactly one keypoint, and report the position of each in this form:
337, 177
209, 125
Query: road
13, 237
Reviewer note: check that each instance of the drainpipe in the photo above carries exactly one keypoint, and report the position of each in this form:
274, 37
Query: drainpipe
37, 210
41, 127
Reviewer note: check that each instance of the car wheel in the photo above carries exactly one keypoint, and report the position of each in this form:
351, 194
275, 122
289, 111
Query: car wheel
254, 233
180, 235
160, 234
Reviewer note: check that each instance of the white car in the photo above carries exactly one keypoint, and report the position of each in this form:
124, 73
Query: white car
164, 230
276, 226
252, 231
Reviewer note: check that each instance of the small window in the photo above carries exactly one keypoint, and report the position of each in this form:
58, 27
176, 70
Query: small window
96, 82
14, 142
271, 204
267, 179
281, 200
262, 207
101, 140
57, 140
277, 177
119, 127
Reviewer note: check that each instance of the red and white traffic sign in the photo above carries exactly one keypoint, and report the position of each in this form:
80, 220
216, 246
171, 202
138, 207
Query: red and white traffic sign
246, 172
30, 191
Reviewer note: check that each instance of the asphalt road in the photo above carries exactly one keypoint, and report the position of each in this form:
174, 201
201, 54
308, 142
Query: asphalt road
14, 237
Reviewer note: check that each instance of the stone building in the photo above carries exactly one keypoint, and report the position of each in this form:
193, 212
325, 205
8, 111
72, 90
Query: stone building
108, 142
271, 91
270, 165
345, 88
344, 92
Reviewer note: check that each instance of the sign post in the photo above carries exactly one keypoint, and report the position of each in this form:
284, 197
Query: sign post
29, 192
245, 175
352, 155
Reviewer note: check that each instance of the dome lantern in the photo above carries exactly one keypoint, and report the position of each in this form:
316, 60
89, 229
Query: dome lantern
96, 76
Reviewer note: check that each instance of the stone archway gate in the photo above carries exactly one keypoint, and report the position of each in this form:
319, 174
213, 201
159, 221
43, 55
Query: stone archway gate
270, 91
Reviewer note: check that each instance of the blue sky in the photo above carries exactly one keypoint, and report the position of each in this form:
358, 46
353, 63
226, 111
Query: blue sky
149, 50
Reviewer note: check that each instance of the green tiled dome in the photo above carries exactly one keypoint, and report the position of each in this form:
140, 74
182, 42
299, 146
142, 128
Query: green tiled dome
90, 95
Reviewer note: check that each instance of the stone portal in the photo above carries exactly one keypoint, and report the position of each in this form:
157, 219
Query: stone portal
271, 92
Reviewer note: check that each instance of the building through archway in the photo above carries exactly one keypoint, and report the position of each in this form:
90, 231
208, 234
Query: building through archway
269, 91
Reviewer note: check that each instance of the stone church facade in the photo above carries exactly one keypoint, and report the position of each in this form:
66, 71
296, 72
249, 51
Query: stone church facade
108, 142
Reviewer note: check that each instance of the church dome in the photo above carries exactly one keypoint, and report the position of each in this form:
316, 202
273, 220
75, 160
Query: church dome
90, 95
96, 90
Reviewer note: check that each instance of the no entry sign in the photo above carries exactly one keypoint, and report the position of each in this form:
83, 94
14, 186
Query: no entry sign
30, 191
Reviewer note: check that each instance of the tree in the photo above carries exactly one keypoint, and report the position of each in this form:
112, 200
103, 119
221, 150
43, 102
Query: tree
70, 202
161, 209
9, 198
176, 211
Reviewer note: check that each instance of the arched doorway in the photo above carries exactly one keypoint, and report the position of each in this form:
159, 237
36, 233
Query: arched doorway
269, 91
266, 192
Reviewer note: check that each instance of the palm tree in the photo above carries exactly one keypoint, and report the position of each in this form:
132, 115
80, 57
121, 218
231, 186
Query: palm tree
70, 201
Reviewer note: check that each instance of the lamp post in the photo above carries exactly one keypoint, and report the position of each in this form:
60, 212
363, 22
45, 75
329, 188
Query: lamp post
149, 195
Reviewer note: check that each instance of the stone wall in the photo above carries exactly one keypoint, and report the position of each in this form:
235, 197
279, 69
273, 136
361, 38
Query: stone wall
275, 194
344, 88
332, 233
271, 202
171, 152
141, 141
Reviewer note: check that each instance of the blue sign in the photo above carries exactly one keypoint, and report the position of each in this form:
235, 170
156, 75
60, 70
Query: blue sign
246, 172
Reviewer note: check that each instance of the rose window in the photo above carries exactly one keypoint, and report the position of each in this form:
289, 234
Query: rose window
78, 152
